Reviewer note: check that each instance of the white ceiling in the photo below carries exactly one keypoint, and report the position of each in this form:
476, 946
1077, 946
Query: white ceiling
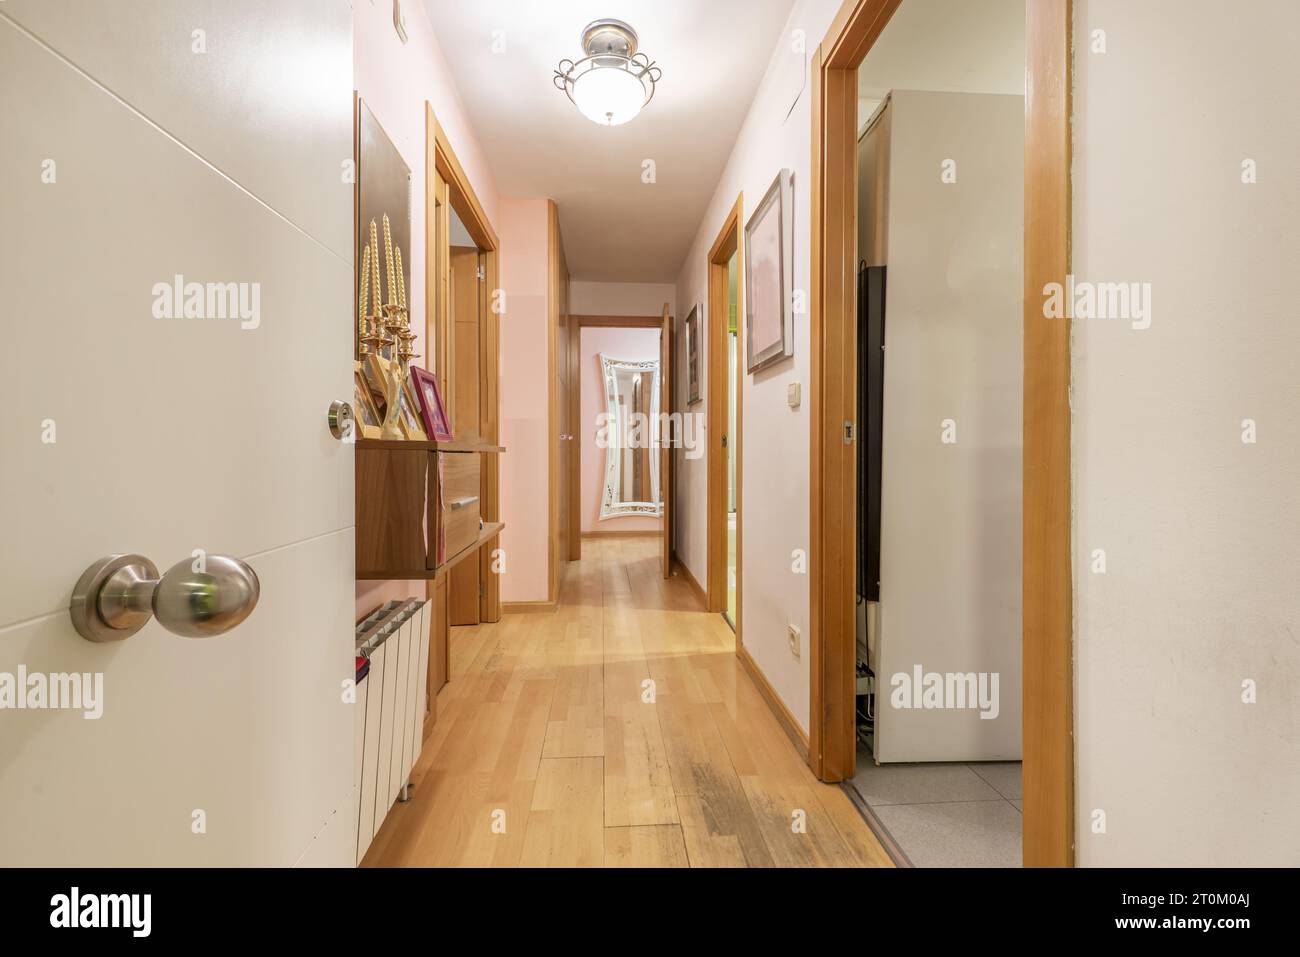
954, 46
616, 228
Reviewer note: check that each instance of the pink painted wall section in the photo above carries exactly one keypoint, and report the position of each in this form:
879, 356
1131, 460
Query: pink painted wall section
638, 344
395, 79
525, 400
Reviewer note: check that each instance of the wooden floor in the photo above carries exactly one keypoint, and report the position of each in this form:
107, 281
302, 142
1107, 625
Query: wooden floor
618, 730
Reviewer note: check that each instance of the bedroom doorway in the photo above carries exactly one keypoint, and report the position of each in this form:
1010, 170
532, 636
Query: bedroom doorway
725, 420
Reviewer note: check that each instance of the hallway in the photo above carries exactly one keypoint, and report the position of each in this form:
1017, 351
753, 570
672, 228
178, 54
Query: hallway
545, 754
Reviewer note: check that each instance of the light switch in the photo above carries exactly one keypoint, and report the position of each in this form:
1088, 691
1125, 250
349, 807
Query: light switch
792, 395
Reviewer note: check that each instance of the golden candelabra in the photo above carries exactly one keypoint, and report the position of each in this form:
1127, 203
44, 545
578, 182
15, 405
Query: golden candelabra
385, 326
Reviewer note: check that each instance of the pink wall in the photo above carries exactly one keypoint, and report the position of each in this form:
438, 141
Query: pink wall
618, 344
525, 400
395, 79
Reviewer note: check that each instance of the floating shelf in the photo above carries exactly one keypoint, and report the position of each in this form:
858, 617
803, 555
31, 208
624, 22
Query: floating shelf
489, 531
418, 445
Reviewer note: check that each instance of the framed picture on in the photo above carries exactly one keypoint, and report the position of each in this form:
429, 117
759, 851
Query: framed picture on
693, 356
432, 411
769, 242
411, 415
374, 372
367, 417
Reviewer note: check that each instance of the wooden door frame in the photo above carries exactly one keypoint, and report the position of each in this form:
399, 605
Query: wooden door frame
446, 183
573, 399
1048, 768
557, 280
665, 434
730, 241
576, 324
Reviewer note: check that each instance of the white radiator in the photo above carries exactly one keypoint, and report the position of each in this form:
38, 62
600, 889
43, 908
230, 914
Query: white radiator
389, 717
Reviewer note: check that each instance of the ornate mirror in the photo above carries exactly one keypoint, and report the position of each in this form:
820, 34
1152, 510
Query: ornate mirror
630, 437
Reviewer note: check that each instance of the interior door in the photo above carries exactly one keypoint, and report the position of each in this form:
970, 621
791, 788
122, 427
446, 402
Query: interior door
565, 425
665, 445
465, 299
140, 421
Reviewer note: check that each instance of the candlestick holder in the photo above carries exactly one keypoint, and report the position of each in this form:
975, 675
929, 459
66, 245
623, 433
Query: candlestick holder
373, 339
405, 337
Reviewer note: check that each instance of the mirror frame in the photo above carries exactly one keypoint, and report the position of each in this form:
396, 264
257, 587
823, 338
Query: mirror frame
609, 508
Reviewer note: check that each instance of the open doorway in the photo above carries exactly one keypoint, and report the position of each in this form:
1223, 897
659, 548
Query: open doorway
725, 282
923, 352
467, 315
617, 394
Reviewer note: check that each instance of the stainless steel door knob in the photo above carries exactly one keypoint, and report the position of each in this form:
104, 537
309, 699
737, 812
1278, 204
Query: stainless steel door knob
116, 596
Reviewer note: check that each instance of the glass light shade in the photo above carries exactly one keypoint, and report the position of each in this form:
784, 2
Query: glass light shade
609, 95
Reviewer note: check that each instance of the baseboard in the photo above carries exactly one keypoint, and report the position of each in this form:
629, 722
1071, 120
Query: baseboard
526, 607
638, 533
690, 580
783, 716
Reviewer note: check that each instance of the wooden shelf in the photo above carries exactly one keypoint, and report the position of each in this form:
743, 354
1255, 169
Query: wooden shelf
489, 531
455, 445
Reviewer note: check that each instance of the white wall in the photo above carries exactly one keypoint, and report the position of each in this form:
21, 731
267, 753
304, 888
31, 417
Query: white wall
1200, 531
776, 450
950, 510
620, 298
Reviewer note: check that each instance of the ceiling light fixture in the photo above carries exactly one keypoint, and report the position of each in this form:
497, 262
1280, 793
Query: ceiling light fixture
613, 81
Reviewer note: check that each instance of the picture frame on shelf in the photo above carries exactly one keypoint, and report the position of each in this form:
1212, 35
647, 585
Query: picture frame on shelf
374, 371
367, 418
693, 356
411, 414
429, 398
769, 242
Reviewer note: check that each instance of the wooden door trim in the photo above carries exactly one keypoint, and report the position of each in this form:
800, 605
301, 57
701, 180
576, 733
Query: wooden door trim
1046, 577
665, 441
447, 182
619, 322
1047, 586
730, 239
575, 450
554, 270
576, 324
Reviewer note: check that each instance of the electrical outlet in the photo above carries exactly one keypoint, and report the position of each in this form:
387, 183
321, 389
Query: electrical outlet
794, 637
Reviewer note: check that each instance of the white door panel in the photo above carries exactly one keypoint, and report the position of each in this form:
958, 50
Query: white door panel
249, 727
336, 841
261, 104
171, 434
175, 434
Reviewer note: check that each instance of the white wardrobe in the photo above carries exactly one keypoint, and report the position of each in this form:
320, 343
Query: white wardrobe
941, 207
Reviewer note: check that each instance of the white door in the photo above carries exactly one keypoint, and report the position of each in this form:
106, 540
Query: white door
141, 141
